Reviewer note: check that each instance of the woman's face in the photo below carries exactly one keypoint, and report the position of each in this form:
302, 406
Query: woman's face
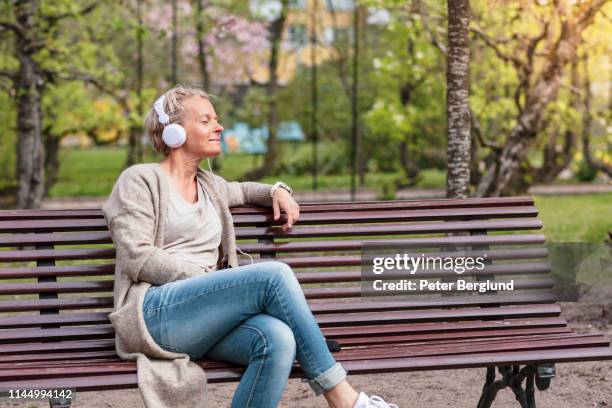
202, 127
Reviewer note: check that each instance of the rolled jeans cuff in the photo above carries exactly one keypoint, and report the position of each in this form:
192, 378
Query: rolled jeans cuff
329, 379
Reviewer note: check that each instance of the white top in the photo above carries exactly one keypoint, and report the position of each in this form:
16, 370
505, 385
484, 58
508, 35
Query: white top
193, 230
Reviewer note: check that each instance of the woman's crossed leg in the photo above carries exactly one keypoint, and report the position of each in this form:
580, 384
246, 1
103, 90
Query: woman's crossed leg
259, 309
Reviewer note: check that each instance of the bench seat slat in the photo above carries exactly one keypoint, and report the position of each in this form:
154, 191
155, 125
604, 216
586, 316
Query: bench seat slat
317, 307
370, 340
427, 344
77, 350
122, 381
338, 333
326, 320
381, 355
331, 332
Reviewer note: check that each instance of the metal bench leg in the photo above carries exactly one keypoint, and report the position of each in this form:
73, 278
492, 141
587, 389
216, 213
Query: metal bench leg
59, 402
513, 377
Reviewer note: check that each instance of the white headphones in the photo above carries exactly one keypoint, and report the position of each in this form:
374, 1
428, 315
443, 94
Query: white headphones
174, 135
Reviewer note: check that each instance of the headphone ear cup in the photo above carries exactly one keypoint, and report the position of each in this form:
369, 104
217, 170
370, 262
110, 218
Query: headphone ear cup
174, 135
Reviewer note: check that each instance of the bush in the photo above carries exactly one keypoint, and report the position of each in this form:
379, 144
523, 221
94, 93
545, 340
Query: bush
585, 172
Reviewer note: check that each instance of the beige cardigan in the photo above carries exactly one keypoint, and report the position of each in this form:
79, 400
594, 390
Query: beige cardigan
135, 213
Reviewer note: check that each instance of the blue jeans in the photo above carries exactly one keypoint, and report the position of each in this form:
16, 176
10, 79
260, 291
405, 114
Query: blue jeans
254, 315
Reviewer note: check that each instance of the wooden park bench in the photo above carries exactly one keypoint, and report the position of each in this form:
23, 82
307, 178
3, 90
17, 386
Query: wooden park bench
56, 281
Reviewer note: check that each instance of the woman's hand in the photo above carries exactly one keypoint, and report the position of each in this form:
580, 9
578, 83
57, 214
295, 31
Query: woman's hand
283, 202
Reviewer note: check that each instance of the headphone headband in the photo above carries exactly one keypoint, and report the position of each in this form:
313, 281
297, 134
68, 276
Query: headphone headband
159, 108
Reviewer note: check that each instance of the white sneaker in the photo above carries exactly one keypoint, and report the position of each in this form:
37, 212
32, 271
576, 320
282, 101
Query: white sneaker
373, 401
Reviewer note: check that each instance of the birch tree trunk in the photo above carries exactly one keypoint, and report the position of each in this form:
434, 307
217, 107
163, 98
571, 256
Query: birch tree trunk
457, 100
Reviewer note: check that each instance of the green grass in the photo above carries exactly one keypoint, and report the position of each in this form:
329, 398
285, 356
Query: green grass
92, 172
576, 218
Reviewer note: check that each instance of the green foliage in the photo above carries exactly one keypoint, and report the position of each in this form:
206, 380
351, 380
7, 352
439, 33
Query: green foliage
331, 159
409, 103
585, 172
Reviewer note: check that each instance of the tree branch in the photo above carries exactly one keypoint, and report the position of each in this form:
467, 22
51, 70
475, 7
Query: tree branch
425, 19
493, 45
7, 25
478, 133
8, 74
96, 82
54, 18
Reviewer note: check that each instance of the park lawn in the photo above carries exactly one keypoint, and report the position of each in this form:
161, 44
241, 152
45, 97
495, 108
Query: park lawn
576, 218
93, 171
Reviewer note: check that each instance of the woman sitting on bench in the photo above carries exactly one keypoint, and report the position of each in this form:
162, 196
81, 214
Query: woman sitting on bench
179, 293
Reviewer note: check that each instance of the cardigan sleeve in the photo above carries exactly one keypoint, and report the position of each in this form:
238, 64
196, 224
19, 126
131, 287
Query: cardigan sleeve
129, 214
246, 192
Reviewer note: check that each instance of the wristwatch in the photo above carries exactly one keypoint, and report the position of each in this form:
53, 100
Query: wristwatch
280, 184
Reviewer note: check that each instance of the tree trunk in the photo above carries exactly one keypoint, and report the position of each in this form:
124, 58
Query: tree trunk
29, 86
135, 148
202, 57
355, 143
587, 120
555, 160
411, 170
271, 158
503, 170
174, 46
457, 102
314, 93
134, 145
52, 163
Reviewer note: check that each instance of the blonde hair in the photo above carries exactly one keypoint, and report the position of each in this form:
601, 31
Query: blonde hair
173, 106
